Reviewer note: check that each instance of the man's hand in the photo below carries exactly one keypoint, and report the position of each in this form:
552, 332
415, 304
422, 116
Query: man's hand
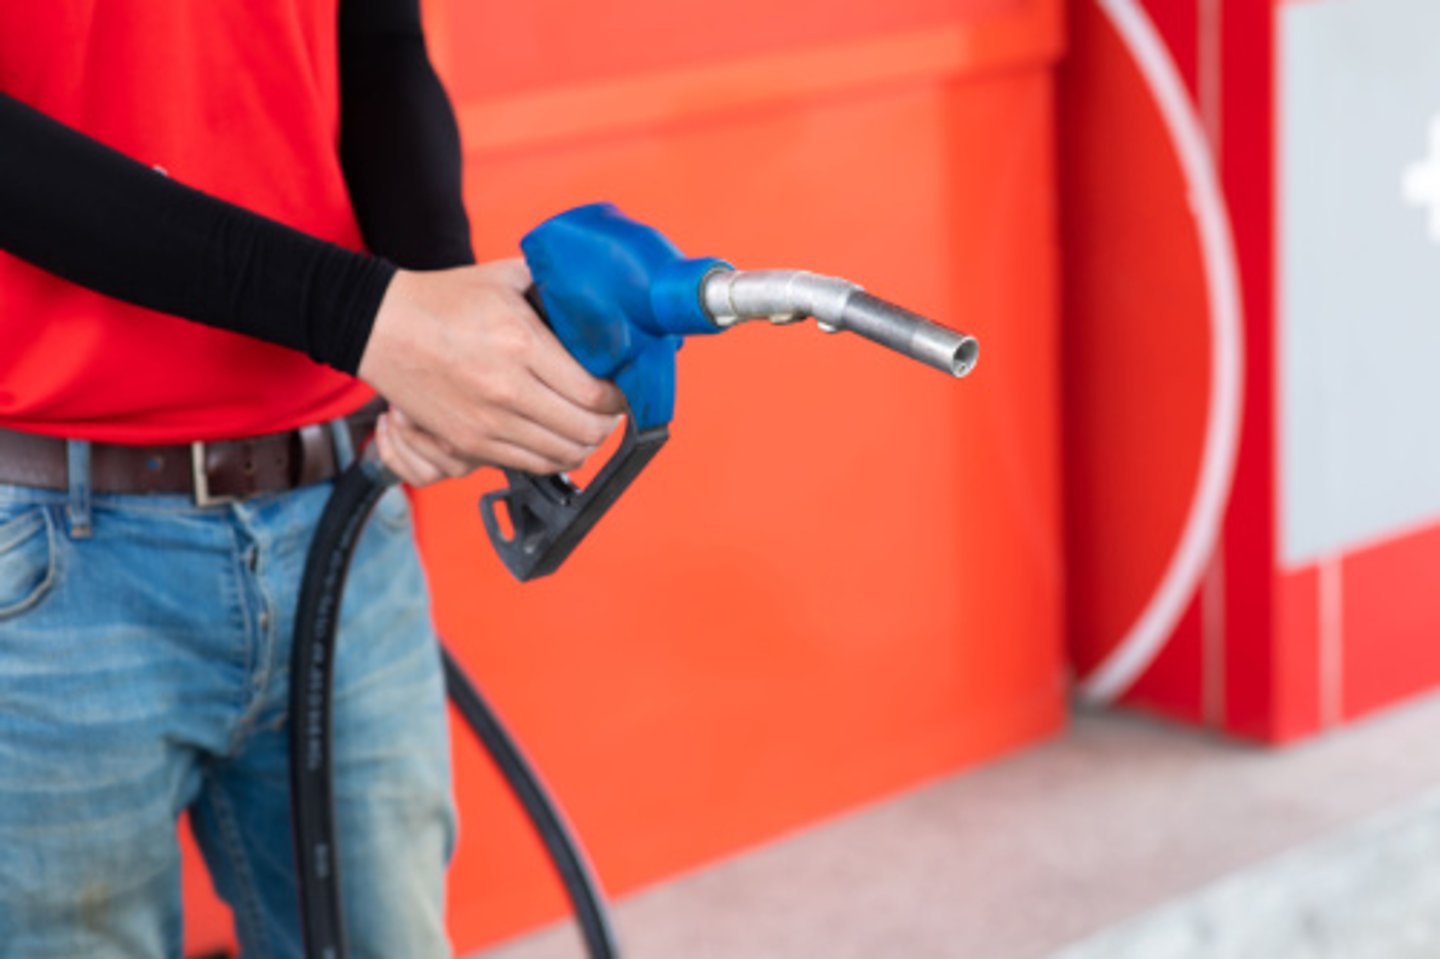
480, 379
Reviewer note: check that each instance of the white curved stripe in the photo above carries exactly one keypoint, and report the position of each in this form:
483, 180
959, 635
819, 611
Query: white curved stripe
1157, 620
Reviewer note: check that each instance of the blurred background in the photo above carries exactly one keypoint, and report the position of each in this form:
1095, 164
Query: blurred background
1121, 646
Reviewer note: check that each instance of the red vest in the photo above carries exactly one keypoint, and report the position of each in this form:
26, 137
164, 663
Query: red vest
239, 98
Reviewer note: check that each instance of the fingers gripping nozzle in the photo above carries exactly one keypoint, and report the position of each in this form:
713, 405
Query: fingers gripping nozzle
621, 298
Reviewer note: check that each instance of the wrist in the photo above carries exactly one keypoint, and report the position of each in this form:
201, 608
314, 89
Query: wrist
397, 303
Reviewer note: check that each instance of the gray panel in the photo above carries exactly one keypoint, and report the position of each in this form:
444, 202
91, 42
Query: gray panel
1360, 274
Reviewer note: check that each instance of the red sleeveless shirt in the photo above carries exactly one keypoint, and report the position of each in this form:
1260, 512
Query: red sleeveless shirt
238, 98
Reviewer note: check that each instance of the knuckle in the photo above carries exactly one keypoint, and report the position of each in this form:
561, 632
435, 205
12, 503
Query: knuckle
472, 442
501, 391
512, 340
509, 349
595, 393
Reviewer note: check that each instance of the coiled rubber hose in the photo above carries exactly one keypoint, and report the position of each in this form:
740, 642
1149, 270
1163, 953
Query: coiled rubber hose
311, 773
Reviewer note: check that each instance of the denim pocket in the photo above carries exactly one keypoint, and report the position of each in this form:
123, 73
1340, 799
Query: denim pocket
27, 559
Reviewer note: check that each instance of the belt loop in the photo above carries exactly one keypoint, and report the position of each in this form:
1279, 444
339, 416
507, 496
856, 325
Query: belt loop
344, 444
77, 460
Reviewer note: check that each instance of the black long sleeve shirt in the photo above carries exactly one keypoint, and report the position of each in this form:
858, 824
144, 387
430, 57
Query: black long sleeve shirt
95, 217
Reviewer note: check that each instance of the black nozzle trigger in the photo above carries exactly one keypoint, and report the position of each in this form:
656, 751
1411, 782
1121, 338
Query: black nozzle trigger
550, 515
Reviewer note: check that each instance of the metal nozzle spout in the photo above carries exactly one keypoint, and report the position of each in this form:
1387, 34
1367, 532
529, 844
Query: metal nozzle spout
911, 334
783, 296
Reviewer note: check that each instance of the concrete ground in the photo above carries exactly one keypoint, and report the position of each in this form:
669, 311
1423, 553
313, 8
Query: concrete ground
1125, 839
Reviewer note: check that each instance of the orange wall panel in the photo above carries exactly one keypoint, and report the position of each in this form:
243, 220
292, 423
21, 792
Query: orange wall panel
540, 43
843, 576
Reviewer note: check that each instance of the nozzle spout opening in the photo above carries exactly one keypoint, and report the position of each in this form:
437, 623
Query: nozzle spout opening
964, 357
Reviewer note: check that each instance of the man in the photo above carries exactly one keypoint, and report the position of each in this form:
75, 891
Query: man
187, 329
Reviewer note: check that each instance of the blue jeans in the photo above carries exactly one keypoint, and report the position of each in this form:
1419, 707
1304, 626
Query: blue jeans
144, 661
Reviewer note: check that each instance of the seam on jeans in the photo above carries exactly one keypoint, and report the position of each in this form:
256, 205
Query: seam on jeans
259, 658
21, 527
267, 651
47, 584
248, 910
11, 494
145, 502
183, 504
239, 594
168, 503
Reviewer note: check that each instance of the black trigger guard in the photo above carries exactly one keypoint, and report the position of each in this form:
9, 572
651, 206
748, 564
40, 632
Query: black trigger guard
550, 515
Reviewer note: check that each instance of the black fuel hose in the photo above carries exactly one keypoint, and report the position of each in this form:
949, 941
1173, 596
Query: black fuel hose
564, 850
311, 774
312, 798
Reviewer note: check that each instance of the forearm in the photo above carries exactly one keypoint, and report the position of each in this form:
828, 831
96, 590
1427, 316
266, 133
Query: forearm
95, 217
399, 144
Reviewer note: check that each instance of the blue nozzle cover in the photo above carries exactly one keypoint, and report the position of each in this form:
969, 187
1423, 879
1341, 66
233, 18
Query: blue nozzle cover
620, 297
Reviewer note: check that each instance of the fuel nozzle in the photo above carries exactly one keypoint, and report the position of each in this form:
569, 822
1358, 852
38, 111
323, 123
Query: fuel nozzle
785, 296
621, 298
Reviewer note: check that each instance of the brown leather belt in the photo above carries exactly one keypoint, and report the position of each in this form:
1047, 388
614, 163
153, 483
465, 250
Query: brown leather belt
214, 472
